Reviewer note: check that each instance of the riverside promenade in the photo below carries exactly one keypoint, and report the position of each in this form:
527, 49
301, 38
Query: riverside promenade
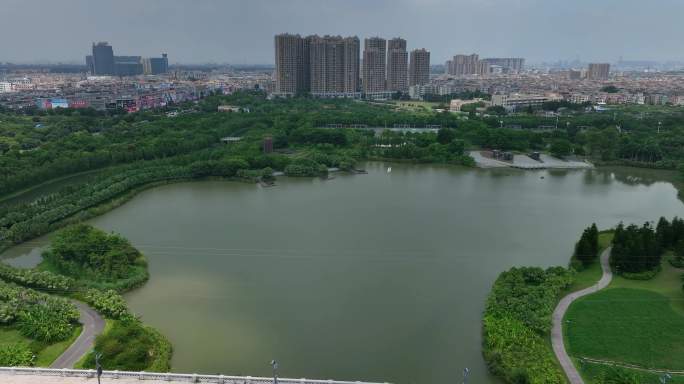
557, 341
10, 375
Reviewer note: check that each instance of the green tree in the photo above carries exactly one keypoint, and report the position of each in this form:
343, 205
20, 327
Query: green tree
561, 148
445, 135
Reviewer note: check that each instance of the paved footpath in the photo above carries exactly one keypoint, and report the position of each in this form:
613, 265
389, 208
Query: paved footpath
93, 324
35, 379
562, 307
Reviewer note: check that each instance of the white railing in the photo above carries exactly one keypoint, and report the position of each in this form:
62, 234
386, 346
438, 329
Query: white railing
178, 377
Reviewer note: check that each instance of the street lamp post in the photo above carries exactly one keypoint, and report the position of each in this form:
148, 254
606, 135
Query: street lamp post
98, 366
274, 364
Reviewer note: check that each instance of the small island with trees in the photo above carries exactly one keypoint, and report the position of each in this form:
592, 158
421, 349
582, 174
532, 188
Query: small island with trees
83, 263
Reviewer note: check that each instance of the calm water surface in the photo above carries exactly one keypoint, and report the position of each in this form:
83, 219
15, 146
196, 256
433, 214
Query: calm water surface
366, 277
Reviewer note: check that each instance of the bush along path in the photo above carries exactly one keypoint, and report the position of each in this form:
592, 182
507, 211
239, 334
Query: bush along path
562, 307
93, 325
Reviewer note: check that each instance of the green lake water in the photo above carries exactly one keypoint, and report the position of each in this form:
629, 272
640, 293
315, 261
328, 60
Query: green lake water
379, 277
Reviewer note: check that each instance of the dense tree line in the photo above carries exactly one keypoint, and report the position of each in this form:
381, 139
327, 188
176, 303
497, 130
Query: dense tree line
670, 235
636, 250
40, 147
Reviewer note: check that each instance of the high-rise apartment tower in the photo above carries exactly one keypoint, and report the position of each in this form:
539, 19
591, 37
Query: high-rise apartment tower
598, 71
291, 64
374, 63
397, 65
419, 67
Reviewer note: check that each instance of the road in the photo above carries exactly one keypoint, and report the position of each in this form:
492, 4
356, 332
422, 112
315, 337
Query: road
93, 324
562, 307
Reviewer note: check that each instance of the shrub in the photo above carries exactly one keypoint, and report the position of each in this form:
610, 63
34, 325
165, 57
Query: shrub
305, 168
109, 303
16, 302
517, 321
529, 294
645, 275
16, 355
35, 279
131, 346
44, 324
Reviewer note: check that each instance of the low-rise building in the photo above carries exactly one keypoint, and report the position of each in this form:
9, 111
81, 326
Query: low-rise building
231, 108
5, 87
518, 100
455, 105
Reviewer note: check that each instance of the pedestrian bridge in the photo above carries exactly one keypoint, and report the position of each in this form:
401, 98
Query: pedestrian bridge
12, 375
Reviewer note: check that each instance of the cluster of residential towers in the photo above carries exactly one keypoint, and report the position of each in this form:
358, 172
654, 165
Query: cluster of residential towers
332, 66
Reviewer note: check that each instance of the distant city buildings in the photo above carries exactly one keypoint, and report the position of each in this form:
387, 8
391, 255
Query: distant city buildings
331, 66
463, 65
5, 86
155, 65
419, 67
508, 64
102, 62
598, 71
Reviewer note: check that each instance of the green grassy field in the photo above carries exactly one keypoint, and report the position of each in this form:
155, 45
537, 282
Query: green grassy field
46, 354
417, 106
634, 326
668, 282
637, 322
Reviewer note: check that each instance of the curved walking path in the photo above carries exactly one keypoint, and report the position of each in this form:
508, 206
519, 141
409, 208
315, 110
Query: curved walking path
93, 324
562, 307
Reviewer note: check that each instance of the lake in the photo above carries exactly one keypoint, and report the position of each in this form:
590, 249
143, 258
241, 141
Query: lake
378, 277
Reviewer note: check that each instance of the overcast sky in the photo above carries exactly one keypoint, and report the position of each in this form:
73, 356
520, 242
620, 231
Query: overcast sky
241, 31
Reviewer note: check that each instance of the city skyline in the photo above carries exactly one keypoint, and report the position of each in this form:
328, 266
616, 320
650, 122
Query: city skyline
214, 32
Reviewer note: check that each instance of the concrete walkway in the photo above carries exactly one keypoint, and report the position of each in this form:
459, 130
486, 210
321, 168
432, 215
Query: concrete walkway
34, 379
93, 324
558, 314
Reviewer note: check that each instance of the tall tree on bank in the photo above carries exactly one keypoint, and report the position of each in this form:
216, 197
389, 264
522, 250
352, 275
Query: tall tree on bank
586, 249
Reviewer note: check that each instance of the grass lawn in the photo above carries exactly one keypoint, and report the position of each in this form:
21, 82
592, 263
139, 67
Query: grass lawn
668, 282
635, 326
418, 106
45, 354
632, 321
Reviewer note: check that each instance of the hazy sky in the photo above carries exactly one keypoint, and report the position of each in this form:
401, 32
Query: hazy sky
241, 31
